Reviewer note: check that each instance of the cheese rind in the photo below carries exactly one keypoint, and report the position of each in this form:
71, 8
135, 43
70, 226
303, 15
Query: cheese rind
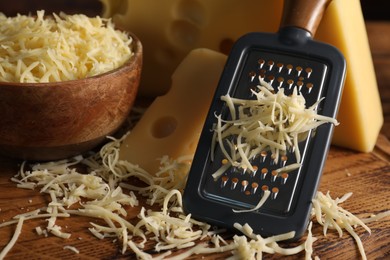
172, 123
179, 26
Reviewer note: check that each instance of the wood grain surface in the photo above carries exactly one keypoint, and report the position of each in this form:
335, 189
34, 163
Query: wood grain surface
367, 175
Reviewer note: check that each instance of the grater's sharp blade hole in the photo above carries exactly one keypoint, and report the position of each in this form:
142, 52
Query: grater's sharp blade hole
299, 70
234, 183
254, 186
284, 177
308, 72
274, 192
270, 64
261, 63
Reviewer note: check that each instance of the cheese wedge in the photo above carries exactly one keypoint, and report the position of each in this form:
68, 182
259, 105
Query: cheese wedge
172, 123
360, 114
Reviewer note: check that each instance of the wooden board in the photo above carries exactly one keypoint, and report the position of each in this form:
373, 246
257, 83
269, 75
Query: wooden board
367, 175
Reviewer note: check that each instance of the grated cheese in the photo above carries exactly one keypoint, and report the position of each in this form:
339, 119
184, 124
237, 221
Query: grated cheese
39, 230
259, 205
309, 242
72, 248
257, 245
104, 191
272, 121
330, 215
14, 238
59, 48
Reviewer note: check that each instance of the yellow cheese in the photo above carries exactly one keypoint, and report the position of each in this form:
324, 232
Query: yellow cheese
179, 26
173, 122
170, 29
360, 114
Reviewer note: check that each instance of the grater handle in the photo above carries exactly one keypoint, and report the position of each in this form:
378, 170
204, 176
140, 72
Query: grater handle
304, 14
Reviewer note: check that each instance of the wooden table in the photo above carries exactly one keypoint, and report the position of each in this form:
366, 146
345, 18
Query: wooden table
367, 175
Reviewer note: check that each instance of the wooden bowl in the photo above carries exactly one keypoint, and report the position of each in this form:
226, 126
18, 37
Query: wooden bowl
51, 121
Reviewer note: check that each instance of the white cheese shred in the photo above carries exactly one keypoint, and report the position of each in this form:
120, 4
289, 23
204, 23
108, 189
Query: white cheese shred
71, 248
376, 217
309, 243
14, 238
258, 206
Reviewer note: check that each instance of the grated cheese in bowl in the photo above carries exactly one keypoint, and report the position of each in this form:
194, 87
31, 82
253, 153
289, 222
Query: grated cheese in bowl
40, 49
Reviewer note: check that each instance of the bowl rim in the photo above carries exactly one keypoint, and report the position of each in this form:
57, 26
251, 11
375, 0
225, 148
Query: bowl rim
137, 54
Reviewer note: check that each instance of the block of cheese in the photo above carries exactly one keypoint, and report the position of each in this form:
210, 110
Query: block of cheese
360, 113
179, 26
173, 122
170, 29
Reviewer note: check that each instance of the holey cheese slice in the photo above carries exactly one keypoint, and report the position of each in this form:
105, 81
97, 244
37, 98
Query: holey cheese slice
178, 26
173, 122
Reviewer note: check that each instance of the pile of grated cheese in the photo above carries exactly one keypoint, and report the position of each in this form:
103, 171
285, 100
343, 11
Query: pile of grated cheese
331, 215
272, 121
109, 187
36, 49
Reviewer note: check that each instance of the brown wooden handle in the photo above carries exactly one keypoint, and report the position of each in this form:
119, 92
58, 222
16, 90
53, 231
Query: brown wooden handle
305, 14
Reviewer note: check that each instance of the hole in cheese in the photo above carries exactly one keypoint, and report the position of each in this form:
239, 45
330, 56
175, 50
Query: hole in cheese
193, 11
184, 33
164, 127
226, 45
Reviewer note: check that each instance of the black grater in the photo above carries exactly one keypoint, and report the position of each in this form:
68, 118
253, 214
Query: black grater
289, 59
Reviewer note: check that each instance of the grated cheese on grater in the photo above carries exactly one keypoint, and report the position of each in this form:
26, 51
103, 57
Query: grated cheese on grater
271, 121
59, 48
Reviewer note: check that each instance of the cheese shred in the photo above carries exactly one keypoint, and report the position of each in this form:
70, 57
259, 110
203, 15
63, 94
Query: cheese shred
14, 238
258, 206
72, 248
